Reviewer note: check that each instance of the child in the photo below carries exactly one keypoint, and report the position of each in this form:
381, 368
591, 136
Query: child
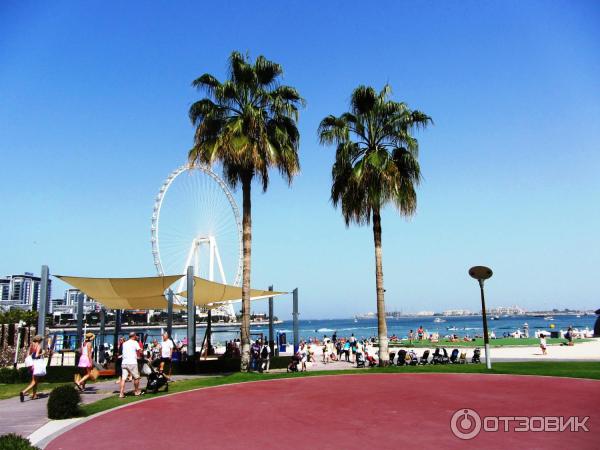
543, 343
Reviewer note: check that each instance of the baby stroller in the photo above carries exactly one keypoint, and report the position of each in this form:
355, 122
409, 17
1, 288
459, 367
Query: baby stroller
454, 356
476, 356
156, 379
371, 360
463, 358
401, 358
293, 365
360, 359
412, 358
425, 358
439, 357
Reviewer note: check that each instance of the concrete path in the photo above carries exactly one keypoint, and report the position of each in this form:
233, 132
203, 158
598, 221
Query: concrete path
25, 418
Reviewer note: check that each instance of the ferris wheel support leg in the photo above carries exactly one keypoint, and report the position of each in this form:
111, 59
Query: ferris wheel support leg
219, 264
211, 261
188, 262
191, 313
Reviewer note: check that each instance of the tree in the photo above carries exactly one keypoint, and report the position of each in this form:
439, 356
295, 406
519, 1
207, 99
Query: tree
376, 163
247, 124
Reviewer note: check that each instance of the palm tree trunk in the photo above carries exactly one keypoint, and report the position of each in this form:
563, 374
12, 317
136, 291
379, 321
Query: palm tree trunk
384, 356
247, 244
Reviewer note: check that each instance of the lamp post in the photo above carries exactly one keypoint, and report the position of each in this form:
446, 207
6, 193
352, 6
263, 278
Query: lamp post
482, 273
19, 326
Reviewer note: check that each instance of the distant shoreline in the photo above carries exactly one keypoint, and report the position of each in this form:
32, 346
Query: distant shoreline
158, 327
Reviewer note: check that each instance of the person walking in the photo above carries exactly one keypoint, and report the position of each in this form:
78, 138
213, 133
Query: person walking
265, 357
34, 358
303, 350
118, 354
129, 364
543, 343
85, 361
254, 355
166, 352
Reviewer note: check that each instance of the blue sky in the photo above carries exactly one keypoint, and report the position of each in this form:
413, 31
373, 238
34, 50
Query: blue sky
93, 116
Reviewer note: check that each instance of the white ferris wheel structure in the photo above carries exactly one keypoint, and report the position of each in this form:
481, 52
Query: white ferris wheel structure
196, 222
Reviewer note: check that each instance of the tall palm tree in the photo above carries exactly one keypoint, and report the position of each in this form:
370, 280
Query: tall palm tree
247, 123
376, 163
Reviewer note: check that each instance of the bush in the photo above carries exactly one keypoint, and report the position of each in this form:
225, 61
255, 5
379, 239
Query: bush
8, 375
63, 402
13, 441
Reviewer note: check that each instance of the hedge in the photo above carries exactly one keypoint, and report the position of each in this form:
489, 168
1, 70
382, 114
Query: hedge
223, 365
8, 375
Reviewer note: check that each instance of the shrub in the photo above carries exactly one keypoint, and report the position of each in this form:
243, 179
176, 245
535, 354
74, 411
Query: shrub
13, 441
8, 375
63, 402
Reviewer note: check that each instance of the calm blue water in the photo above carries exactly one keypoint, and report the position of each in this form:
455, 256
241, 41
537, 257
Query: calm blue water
365, 328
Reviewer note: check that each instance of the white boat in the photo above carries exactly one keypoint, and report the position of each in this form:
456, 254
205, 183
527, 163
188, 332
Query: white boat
438, 320
548, 318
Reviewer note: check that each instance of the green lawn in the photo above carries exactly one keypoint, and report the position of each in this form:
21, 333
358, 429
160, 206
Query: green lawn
501, 342
559, 369
12, 390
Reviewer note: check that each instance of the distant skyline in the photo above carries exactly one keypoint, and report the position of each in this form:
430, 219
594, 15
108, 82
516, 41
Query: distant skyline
93, 117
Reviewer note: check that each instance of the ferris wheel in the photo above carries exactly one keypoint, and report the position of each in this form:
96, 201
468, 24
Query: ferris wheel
196, 222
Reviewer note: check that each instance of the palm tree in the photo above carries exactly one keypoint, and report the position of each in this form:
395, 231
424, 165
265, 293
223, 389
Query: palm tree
247, 123
376, 163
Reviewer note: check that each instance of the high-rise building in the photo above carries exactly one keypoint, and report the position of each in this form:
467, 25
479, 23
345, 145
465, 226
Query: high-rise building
72, 300
22, 291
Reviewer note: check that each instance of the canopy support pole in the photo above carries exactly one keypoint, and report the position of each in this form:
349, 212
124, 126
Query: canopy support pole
209, 333
295, 317
100, 351
170, 313
79, 339
117, 331
42, 304
271, 341
191, 313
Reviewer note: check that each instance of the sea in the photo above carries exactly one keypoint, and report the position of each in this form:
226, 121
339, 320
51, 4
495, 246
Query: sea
365, 328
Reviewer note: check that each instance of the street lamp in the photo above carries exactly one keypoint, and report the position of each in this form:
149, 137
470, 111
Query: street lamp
482, 273
20, 326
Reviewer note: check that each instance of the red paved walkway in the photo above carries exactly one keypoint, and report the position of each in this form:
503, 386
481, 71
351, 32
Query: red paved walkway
382, 411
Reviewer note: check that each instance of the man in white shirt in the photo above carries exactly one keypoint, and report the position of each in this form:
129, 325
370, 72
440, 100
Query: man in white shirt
166, 352
265, 357
131, 351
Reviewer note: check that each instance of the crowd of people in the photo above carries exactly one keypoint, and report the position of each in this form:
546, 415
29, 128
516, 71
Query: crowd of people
348, 349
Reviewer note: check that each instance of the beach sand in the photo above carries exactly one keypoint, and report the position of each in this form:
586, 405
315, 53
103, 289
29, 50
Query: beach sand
582, 351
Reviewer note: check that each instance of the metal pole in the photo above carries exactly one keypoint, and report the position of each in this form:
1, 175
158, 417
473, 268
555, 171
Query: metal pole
42, 305
79, 319
191, 312
100, 352
117, 331
170, 313
209, 333
19, 326
271, 341
486, 342
295, 317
